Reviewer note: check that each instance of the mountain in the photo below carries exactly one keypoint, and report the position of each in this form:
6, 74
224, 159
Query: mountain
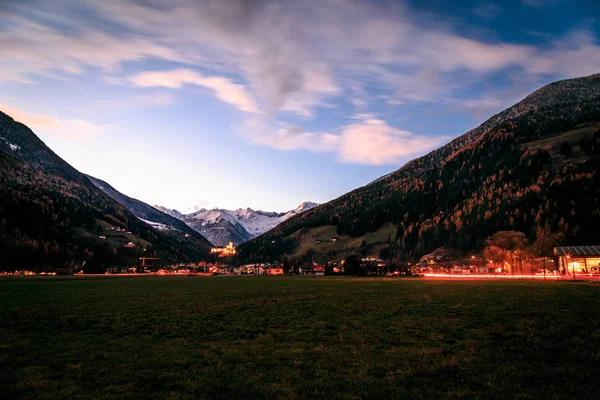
52, 215
222, 226
259, 222
172, 213
531, 168
142, 210
218, 226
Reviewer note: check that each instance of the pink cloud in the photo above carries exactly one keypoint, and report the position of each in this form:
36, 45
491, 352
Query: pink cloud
374, 142
369, 141
49, 125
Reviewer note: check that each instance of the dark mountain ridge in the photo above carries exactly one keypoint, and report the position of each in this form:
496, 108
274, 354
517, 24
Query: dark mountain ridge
51, 215
141, 209
494, 177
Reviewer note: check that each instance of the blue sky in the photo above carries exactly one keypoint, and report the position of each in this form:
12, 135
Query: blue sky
267, 104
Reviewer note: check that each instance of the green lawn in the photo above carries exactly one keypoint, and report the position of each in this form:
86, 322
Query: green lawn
297, 337
551, 143
344, 246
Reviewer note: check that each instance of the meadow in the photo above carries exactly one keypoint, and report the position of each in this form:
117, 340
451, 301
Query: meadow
297, 337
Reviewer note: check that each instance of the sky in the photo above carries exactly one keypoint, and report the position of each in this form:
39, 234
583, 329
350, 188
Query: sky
194, 104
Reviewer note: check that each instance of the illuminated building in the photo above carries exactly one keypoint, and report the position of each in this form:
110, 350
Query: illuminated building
579, 259
274, 271
226, 251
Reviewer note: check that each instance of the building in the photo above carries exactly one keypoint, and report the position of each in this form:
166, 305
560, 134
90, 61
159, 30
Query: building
226, 251
249, 269
148, 263
319, 270
375, 265
274, 271
578, 259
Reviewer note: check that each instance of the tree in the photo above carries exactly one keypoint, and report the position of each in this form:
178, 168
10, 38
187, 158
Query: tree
328, 268
352, 265
545, 242
565, 148
363, 248
93, 267
508, 247
286, 264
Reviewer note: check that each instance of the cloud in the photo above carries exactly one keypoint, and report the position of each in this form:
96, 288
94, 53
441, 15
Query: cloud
294, 56
369, 141
33, 46
289, 138
374, 142
47, 125
451, 52
265, 42
575, 54
201, 204
225, 90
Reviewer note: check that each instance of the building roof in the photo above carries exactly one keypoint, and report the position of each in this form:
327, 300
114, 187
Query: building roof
578, 250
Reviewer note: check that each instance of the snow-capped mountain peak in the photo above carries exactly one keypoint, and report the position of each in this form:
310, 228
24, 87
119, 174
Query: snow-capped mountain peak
222, 226
172, 212
307, 205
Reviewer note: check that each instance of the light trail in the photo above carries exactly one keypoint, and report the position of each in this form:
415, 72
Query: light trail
500, 276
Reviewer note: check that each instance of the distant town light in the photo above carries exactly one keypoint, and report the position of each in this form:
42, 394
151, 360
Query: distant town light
226, 251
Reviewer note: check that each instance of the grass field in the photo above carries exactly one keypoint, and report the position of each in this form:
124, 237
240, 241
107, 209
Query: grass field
296, 337
344, 246
551, 143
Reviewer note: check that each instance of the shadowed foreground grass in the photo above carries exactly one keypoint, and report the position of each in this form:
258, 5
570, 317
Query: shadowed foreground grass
293, 337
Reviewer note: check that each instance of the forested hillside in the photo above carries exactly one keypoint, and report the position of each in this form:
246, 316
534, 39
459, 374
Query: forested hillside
143, 210
53, 216
531, 168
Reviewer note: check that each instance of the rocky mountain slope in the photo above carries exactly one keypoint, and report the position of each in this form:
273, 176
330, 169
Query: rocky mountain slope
142, 210
51, 215
222, 226
532, 168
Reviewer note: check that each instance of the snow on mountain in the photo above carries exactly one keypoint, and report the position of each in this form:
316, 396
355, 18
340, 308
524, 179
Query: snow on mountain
156, 225
12, 146
257, 222
218, 226
221, 226
307, 205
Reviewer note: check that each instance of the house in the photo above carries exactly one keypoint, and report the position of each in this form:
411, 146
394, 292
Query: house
376, 266
319, 270
148, 261
578, 259
274, 271
306, 270
249, 269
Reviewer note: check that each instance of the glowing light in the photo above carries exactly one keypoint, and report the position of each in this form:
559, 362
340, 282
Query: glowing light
485, 276
226, 251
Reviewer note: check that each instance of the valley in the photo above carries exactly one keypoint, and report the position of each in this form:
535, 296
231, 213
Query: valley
516, 172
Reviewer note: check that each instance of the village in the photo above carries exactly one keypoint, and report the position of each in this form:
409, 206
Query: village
568, 262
